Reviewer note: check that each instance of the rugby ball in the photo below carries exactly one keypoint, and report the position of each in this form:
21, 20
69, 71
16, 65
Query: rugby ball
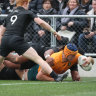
86, 67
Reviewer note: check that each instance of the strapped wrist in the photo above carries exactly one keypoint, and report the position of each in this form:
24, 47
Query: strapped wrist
52, 30
47, 56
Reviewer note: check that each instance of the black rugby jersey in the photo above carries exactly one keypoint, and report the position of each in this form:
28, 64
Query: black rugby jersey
17, 21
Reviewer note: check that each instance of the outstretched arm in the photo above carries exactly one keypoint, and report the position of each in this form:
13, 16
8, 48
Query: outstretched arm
46, 26
75, 75
15, 58
2, 30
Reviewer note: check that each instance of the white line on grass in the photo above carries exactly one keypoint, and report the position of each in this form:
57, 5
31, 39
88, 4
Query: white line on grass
34, 83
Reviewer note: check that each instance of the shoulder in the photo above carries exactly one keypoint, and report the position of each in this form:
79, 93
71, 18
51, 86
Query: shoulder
78, 54
57, 54
54, 11
80, 12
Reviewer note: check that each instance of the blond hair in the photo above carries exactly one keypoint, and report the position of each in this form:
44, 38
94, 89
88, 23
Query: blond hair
21, 2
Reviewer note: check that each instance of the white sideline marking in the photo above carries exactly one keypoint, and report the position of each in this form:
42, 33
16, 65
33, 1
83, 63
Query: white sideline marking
4, 84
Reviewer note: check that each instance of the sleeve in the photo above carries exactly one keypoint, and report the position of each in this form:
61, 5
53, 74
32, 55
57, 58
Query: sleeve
32, 14
74, 68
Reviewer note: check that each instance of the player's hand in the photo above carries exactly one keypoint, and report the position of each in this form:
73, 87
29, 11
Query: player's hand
57, 36
50, 61
86, 61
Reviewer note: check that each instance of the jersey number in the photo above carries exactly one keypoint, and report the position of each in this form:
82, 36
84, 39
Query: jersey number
13, 19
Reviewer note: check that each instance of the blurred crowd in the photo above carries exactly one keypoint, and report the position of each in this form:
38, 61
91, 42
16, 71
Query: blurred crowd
36, 5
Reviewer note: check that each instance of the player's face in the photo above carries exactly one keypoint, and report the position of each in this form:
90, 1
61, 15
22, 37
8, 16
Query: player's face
70, 57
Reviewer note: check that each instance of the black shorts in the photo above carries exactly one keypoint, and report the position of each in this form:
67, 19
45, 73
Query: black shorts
13, 43
27, 65
8, 74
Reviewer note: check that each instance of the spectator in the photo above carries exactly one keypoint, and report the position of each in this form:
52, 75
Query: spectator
89, 36
29, 35
62, 4
72, 24
43, 37
86, 5
8, 7
35, 5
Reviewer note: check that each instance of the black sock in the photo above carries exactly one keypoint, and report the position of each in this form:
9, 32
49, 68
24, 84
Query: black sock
53, 75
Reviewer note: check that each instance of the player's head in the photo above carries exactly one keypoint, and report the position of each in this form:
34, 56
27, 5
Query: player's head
70, 50
21, 2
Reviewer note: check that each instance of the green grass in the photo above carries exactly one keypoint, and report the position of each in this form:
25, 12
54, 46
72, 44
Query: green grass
86, 87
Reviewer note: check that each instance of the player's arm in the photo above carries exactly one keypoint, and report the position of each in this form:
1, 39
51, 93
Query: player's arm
48, 53
11, 65
43, 77
15, 58
74, 73
2, 30
46, 26
48, 57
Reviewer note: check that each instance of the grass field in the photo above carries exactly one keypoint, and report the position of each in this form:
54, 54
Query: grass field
86, 87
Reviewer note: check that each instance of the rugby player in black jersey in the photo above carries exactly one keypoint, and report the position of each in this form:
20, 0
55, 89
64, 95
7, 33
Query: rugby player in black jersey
13, 39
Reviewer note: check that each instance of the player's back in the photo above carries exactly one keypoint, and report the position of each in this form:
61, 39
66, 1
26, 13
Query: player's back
60, 66
17, 21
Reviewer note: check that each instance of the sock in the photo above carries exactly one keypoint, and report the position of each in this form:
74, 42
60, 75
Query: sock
53, 75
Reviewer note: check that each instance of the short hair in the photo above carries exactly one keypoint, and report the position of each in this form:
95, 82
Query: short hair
77, 1
51, 2
21, 2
